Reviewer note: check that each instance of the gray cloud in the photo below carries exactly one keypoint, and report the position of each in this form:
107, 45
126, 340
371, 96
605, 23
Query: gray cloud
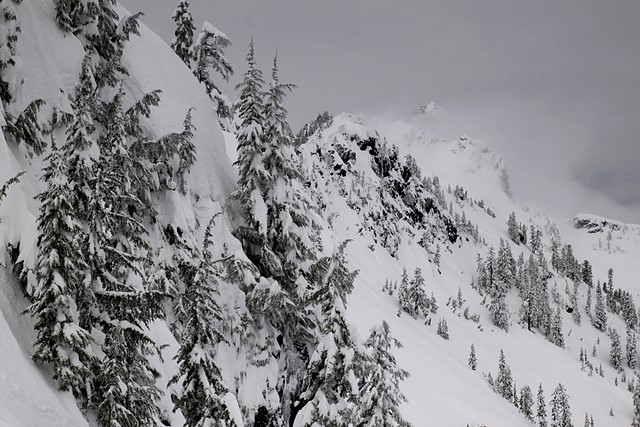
551, 85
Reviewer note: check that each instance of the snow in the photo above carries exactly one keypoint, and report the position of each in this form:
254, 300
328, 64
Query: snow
442, 390
153, 65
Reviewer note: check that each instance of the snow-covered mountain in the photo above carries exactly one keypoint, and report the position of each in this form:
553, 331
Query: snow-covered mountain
405, 198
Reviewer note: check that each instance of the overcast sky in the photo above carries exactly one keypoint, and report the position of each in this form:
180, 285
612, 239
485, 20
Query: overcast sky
552, 85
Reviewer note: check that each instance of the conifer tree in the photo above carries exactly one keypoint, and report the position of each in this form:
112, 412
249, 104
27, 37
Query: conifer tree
10, 25
632, 352
541, 411
526, 402
328, 395
636, 404
555, 331
499, 312
253, 177
412, 296
127, 302
380, 395
600, 315
615, 353
208, 56
201, 392
473, 361
512, 228
560, 409
292, 218
183, 39
504, 381
59, 273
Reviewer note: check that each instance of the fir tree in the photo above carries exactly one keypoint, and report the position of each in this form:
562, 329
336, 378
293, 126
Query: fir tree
208, 55
380, 395
615, 353
473, 361
600, 315
560, 409
8, 59
541, 411
512, 228
443, 329
59, 272
183, 39
632, 352
504, 381
253, 177
526, 402
201, 392
328, 395
127, 302
499, 312
555, 334
636, 404
412, 296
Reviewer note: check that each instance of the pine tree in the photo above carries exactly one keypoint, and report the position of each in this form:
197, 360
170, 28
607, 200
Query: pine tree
200, 396
59, 272
183, 39
560, 409
412, 296
473, 361
555, 332
600, 315
632, 352
127, 302
380, 395
443, 329
636, 404
208, 55
253, 176
526, 402
512, 228
10, 25
504, 381
541, 411
328, 395
615, 353
292, 218
499, 312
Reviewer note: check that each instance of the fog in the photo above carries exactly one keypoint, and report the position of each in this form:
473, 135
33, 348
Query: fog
552, 86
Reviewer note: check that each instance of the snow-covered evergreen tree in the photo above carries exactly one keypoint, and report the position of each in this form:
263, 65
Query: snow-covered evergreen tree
541, 408
253, 177
127, 302
412, 296
208, 56
473, 361
615, 353
600, 315
9, 70
331, 381
555, 334
560, 409
201, 390
504, 380
379, 391
526, 402
632, 351
636, 404
183, 40
59, 273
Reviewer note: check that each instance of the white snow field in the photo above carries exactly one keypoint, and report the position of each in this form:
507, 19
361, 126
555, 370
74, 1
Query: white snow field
442, 390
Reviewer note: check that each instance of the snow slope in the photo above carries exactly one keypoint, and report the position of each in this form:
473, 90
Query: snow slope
442, 390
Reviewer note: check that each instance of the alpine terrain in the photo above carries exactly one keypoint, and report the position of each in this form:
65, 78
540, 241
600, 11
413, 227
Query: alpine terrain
175, 255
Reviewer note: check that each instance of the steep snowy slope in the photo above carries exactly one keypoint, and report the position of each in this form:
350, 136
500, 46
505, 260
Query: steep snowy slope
50, 64
442, 390
436, 212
